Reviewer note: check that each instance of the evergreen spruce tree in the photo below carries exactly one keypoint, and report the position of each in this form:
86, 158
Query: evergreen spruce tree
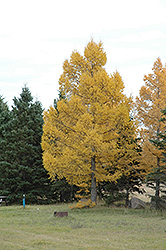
23, 154
4, 118
163, 148
4, 123
159, 173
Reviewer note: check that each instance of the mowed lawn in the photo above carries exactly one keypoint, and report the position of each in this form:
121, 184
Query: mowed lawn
35, 227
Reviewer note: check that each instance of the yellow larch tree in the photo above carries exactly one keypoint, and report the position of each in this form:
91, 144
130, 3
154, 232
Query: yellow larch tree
80, 136
151, 100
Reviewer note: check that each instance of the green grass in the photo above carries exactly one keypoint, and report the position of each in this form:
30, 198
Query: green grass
35, 227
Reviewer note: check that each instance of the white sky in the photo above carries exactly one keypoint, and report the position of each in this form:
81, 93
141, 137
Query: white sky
36, 36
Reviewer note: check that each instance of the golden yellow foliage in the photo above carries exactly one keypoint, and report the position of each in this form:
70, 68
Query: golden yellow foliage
151, 100
83, 204
80, 139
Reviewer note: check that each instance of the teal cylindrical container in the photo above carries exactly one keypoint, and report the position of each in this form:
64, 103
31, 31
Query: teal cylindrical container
23, 200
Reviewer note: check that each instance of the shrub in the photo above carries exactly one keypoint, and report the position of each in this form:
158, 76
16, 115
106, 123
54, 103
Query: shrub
84, 204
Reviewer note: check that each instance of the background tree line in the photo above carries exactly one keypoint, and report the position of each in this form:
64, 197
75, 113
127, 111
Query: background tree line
93, 140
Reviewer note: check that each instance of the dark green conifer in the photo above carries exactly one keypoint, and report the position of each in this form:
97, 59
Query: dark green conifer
4, 123
158, 175
22, 160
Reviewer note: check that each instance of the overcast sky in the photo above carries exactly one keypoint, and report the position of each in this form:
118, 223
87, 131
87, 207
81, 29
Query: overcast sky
37, 36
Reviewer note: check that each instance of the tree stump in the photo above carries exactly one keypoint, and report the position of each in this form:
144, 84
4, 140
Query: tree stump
60, 214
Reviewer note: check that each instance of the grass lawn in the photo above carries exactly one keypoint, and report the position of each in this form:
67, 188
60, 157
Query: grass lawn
35, 227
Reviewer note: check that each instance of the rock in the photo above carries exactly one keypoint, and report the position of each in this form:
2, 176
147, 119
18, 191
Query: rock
60, 214
136, 203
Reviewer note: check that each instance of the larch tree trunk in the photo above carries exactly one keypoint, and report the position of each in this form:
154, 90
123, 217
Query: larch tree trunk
93, 181
127, 198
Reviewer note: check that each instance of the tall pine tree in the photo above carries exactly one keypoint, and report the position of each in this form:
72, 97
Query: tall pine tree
160, 172
22, 161
4, 123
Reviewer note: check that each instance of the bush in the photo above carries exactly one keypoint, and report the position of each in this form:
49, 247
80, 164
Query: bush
84, 204
111, 198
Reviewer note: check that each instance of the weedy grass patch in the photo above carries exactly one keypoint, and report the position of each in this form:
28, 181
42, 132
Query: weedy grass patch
35, 227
